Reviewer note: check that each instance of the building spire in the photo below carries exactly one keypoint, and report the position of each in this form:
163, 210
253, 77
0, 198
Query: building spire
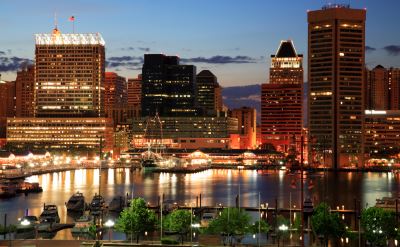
55, 20
55, 30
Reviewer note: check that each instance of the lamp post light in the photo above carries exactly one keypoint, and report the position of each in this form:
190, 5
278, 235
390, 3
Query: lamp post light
259, 219
283, 228
193, 234
301, 187
25, 222
109, 223
191, 224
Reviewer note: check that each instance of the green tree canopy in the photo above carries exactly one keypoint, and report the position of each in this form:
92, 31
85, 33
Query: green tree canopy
379, 225
137, 219
261, 226
327, 224
178, 221
233, 222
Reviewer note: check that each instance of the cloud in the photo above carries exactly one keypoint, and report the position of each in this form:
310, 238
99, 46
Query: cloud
393, 50
136, 62
130, 48
146, 49
12, 64
255, 97
250, 96
125, 59
369, 48
220, 59
127, 62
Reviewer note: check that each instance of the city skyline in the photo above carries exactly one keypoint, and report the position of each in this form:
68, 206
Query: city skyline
235, 46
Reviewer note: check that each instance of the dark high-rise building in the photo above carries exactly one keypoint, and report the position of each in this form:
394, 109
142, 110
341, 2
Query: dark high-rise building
394, 88
115, 97
69, 75
24, 90
336, 60
134, 91
208, 93
167, 87
383, 89
115, 90
378, 89
7, 106
281, 98
247, 129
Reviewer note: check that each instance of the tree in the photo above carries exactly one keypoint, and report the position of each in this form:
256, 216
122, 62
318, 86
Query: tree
379, 225
233, 223
260, 226
178, 221
137, 219
93, 232
327, 224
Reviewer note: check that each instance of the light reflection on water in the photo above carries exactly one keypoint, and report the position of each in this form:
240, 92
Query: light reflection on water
215, 186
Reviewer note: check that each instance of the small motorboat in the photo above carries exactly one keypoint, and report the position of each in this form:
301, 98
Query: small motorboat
26, 227
388, 203
7, 191
26, 187
49, 214
97, 205
117, 204
76, 202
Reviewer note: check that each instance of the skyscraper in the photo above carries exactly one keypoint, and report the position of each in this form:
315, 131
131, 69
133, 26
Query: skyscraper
208, 93
336, 58
394, 88
69, 96
378, 89
134, 91
167, 87
281, 98
25, 86
115, 97
247, 128
69, 75
7, 105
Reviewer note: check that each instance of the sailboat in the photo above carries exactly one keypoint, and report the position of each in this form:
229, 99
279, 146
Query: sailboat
153, 137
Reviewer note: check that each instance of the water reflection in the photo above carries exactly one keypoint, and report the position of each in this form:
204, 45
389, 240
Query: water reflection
215, 186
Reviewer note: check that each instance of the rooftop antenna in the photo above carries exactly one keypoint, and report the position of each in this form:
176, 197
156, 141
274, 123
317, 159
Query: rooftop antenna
55, 20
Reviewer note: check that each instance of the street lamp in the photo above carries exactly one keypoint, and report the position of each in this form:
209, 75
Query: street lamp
283, 228
109, 223
301, 187
25, 222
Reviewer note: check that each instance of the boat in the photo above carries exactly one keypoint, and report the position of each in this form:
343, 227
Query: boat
308, 206
49, 214
148, 163
7, 190
97, 205
26, 187
150, 159
206, 218
388, 203
76, 202
82, 225
26, 227
117, 204
153, 138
